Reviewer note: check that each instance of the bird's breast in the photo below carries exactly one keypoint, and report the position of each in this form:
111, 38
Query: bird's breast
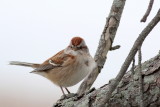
71, 74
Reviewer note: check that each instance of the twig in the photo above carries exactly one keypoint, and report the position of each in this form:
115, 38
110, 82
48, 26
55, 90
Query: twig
133, 67
115, 47
130, 57
105, 43
140, 77
144, 18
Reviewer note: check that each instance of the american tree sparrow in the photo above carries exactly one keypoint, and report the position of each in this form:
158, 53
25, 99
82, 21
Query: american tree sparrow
67, 67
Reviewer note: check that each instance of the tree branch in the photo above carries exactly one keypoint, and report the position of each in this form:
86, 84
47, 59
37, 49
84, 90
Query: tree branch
115, 47
133, 67
105, 43
130, 57
140, 77
144, 18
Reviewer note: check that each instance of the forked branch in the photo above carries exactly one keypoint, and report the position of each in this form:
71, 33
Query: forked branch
130, 57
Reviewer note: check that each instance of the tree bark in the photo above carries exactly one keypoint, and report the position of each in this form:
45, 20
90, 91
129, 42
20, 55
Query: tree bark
127, 92
105, 43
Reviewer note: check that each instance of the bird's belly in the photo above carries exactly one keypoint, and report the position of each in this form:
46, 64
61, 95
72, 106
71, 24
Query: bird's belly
68, 77
76, 77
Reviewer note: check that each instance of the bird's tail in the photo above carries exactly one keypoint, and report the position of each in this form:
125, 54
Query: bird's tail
26, 64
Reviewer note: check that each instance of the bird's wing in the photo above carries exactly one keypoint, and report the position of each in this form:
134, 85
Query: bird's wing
57, 60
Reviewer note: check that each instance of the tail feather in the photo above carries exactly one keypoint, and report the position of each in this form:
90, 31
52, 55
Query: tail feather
26, 64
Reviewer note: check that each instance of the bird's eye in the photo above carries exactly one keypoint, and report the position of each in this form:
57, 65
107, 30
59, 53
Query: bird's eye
71, 46
80, 47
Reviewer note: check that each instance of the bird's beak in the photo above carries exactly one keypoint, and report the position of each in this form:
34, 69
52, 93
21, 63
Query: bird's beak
75, 48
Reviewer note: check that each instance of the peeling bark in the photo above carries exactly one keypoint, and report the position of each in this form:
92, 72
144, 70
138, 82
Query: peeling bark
127, 92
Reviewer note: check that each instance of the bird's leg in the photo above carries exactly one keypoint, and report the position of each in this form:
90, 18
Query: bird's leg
67, 90
62, 90
66, 96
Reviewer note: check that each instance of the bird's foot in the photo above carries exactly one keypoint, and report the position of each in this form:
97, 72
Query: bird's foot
89, 91
67, 96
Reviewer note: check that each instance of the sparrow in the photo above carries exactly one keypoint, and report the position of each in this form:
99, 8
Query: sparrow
67, 67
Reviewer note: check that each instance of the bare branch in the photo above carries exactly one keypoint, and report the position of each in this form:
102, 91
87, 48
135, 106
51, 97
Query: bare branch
130, 57
140, 77
115, 47
133, 67
144, 18
105, 43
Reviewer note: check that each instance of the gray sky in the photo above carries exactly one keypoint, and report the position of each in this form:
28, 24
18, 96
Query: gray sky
34, 30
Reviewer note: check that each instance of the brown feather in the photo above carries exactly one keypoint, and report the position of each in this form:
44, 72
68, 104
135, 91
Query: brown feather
58, 59
76, 41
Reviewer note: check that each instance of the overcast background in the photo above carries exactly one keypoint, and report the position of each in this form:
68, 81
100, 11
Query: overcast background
34, 30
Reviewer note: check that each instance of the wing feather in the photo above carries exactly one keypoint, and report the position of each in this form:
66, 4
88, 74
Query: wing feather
53, 62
